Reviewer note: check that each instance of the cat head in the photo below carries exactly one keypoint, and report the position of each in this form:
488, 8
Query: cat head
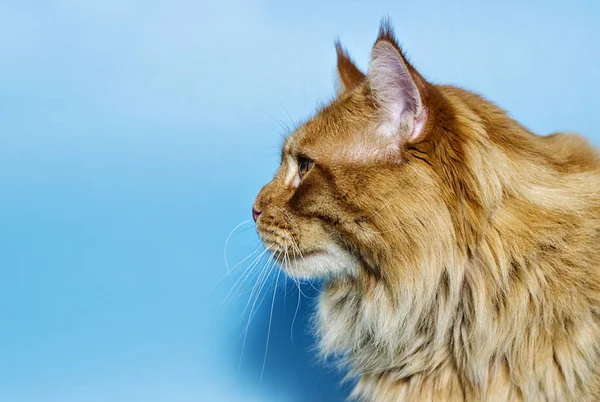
358, 189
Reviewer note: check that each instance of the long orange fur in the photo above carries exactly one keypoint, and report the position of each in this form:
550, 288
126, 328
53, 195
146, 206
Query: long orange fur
461, 265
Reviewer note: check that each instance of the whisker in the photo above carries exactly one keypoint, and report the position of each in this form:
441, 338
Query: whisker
227, 243
246, 258
284, 288
284, 128
253, 313
250, 316
247, 278
269, 330
296, 247
285, 263
296, 312
299, 284
244, 274
234, 267
313, 286
259, 281
290, 120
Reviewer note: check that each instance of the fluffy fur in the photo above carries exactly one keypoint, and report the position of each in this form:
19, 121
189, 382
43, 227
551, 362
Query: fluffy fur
461, 251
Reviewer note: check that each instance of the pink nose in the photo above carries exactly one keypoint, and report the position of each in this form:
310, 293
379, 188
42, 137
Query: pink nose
255, 213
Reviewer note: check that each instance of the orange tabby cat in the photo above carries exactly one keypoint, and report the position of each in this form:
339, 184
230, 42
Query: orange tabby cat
461, 251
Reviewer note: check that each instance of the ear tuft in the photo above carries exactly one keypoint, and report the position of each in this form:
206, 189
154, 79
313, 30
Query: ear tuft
350, 76
386, 32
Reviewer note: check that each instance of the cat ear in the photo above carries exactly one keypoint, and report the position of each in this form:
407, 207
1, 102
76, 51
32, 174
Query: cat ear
392, 82
349, 75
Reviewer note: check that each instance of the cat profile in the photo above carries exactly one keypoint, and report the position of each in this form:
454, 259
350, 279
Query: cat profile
460, 251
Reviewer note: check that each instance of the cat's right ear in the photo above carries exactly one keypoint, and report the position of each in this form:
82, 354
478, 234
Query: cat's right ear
349, 75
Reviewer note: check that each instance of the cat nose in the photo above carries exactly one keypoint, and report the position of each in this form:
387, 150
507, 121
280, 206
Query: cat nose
255, 213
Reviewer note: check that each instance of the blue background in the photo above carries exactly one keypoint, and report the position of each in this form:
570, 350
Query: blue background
134, 136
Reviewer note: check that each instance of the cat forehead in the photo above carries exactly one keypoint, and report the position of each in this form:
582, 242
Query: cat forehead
318, 142
343, 132
360, 146
333, 126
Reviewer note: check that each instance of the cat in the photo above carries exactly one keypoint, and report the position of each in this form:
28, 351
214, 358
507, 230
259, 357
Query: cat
460, 251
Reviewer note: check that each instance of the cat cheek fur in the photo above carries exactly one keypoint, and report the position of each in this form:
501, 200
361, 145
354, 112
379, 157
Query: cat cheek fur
291, 226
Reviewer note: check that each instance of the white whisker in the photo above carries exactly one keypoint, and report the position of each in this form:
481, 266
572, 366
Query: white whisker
252, 311
227, 243
234, 267
258, 283
296, 312
269, 330
246, 271
247, 278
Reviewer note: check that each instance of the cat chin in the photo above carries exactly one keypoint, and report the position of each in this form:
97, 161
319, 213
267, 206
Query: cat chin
332, 261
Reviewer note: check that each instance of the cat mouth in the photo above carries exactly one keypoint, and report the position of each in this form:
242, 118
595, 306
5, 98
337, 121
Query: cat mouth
288, 256
314, 262
328, 262
297, 264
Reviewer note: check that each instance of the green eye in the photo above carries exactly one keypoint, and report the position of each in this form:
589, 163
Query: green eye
304, 165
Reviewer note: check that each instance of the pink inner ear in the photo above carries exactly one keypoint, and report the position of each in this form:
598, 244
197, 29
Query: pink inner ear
419, 123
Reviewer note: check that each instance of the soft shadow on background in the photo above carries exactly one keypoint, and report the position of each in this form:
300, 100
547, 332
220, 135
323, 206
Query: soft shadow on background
134, 137
290, 368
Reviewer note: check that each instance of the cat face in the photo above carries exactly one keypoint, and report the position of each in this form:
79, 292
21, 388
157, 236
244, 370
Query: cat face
353, 189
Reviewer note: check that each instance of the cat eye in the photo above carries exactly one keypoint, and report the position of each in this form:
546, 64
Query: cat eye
304, 165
